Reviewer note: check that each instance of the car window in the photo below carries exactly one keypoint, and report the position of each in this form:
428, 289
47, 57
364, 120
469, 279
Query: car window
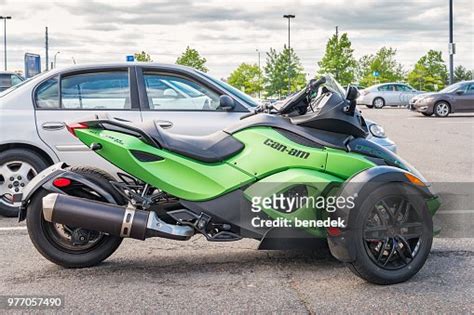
16, 79
386, 87
98, 90
167, 92
403, 88
470, 89
46, 95
5, 80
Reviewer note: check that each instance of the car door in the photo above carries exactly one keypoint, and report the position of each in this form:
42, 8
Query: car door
80, 95
391, 95
465, 100
184, 104
405, 94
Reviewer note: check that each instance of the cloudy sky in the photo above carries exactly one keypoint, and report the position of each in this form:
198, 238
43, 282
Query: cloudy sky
229, 32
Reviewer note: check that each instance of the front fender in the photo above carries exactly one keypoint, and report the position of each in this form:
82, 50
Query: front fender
358, 187
45, 180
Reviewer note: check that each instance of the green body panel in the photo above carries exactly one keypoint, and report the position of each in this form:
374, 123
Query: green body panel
316, 184
177, 175
344, 164
266, 152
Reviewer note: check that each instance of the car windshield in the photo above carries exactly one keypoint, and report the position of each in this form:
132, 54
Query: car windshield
451, 88
250, 101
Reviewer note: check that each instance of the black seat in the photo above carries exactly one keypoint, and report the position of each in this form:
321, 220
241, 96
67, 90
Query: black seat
212, 148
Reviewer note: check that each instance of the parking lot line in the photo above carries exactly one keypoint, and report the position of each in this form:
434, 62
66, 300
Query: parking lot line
13, 228
455, 212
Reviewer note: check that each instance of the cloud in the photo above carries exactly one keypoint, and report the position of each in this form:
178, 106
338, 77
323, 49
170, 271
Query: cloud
228, 32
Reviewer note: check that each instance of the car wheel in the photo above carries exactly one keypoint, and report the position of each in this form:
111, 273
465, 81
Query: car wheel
442, 109
369, 106
393, 234
17, 168
378, 102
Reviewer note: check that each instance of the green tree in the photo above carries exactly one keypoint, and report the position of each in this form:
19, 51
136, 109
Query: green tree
248, 78
338, 59
384, 63
430, 72
143, 57
462, 74
281, 67
191, 58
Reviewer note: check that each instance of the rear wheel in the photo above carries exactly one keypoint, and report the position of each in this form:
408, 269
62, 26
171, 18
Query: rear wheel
393, 235
72, 247
369, 106
17, 168
378, 102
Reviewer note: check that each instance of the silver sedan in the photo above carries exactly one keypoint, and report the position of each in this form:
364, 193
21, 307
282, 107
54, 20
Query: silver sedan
387, 94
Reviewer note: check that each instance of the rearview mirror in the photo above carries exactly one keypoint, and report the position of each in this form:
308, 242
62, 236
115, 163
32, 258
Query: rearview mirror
352, 93
226, 103
460, 92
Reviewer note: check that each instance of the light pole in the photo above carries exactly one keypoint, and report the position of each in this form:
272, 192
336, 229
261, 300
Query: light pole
58, 52
259, 72
452, 47
289, 17
5, 18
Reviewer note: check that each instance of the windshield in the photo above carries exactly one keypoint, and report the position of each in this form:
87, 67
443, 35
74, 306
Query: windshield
247, 99
334, 86
451, 88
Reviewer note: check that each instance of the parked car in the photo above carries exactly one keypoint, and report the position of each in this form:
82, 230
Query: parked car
9, 79
33, 134
387, 94
458, 97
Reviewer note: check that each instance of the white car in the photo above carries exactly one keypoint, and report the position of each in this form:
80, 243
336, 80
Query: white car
387, 94
33, 134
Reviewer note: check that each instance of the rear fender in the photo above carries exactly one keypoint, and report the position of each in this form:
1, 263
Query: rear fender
45, 179
359, 186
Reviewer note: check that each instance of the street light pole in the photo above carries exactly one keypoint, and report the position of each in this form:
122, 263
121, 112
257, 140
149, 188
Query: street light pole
289, 17
5, 18
55, 58
259, 73
452, 47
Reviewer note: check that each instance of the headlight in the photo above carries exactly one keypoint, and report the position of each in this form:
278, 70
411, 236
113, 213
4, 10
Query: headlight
377, 131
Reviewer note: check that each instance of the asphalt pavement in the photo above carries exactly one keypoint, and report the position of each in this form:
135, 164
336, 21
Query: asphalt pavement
164, 276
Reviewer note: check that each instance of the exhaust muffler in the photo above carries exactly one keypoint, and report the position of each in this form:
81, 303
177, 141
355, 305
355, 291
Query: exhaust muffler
123, 221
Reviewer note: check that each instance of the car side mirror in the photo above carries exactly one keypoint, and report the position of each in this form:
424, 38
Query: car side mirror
226, 103
460, 92
352, 93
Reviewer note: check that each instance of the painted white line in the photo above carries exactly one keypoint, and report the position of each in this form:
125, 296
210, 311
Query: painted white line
455, 212
13, 228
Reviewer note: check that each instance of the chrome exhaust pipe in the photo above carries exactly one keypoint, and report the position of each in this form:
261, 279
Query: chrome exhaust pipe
122, 221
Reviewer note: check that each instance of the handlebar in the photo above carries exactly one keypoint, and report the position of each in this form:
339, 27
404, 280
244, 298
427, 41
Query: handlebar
312, 86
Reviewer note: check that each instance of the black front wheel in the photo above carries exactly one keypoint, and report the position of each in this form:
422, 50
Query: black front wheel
393, 235
69, 246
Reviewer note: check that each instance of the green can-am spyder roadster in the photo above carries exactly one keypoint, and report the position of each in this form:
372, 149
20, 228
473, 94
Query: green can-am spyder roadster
308, 147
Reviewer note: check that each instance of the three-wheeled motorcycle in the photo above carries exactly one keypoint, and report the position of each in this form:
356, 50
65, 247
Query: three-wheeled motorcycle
309, 152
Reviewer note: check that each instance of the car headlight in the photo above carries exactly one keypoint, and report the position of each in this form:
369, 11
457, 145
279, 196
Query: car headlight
377, 131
